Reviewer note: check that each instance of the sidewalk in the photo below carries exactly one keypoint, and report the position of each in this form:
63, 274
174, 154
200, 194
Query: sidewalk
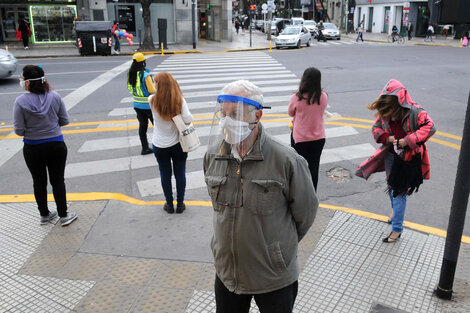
240, 41
415, 41
121, 257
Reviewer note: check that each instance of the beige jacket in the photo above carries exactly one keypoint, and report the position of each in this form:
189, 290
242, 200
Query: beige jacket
263, 206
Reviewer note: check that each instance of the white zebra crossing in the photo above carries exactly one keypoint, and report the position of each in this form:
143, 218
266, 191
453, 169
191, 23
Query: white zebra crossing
276, 82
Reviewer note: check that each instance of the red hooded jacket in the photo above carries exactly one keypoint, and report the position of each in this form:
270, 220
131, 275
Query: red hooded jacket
417, 125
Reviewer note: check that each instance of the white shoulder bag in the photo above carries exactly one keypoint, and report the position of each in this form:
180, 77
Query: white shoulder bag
187, 134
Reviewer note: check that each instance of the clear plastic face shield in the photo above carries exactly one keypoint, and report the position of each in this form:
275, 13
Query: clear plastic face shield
233, 122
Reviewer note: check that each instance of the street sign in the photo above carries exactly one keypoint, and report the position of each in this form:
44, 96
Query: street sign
264, 11
271, 3
264, 6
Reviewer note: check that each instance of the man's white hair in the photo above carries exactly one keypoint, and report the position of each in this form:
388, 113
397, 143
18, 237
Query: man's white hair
245, 89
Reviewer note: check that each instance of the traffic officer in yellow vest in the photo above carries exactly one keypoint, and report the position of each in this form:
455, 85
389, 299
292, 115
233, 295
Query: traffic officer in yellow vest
141, 86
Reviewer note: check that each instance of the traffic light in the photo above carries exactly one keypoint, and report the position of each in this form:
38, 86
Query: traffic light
252, 7
208, 6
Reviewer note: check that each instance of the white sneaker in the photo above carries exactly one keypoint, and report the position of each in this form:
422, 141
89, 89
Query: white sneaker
67, 220
117, 52
26, 48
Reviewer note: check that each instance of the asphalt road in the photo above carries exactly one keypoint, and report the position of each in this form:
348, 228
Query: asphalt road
353, 76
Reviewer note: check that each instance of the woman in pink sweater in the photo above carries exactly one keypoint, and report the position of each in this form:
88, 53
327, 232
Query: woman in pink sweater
307, 107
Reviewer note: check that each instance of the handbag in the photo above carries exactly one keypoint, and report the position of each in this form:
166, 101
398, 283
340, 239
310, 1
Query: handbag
18, 35
187, 134
405, 176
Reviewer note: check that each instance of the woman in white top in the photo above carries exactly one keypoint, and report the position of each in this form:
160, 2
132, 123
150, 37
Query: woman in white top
168, 102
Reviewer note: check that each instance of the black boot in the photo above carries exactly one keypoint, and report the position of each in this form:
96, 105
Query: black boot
180, 207
168, 207
146, 151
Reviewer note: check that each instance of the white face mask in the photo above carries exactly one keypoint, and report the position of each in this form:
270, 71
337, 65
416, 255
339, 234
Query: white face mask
22, 83
234, 131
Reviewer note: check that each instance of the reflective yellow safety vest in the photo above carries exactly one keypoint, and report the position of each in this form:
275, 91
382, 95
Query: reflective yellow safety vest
140, 92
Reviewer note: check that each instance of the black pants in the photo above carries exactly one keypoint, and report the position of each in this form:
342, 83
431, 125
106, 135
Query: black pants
144, 116
25, 38
278, 301
40, 159
311, 151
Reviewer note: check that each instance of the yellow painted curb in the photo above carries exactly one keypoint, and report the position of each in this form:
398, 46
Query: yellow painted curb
432, 44
95, 196
170, 52
246, 49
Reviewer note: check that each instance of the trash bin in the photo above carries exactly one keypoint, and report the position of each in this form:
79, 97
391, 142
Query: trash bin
94, 37
162, 33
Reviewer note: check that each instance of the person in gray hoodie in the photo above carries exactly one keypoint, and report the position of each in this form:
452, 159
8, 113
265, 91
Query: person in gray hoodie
37, 117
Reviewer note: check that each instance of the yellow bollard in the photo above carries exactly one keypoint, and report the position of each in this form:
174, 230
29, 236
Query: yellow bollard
460, 45
6, 47
162, 49
270, 47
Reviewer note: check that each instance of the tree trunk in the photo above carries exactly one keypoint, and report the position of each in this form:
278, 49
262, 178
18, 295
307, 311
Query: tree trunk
148, 39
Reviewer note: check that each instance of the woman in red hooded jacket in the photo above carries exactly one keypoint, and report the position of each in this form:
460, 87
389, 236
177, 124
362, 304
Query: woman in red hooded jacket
402, 127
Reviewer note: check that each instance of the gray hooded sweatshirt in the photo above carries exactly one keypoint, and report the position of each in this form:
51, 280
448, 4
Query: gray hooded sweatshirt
39, 116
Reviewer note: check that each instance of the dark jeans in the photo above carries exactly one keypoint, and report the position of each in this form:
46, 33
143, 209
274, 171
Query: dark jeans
165, 156
311, 151
40, 159
116, 43
278, 301
144, 116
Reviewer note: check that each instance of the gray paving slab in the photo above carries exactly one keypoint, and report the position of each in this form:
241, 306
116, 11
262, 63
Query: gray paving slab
148, 231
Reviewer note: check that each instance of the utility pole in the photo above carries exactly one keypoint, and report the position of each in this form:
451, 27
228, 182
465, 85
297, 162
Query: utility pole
193, 22
458, 211
270, 17
116, 16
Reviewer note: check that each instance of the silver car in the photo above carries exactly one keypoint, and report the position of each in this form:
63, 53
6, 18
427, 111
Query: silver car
8, 64
331, 31
293, 36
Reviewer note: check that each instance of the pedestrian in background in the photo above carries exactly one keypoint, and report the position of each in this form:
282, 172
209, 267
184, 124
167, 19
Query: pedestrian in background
307, 107
410, 30
264, 203
25, 32
402, 127
168, 102
38, 115
429, 33
360, 30
141, 86
115, 32
237, 25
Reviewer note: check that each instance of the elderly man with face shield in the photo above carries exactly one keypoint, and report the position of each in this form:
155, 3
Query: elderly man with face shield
264, 203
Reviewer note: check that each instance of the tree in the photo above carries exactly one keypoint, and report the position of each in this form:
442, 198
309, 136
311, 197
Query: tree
148, 39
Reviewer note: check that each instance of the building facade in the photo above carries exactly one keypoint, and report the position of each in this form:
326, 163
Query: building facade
52, 21
379, 16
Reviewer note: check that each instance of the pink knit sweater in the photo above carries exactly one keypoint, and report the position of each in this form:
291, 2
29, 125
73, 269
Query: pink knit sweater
308, 119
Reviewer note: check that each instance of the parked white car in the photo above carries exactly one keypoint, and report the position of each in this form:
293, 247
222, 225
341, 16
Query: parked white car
8, 64
293, 36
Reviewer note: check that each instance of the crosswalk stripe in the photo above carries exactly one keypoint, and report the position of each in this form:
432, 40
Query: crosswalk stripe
153, 187
211, 93
347, 42
331, 132
111, 143
241, 63
209, 61
334, 43
211, 67
238, 75
256, 82
208, 72
234, 77
199, 105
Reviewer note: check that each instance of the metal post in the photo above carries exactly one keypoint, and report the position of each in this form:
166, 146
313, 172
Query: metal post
116, 17
458, 211
140, 37
193, 22
251, 17
346, 4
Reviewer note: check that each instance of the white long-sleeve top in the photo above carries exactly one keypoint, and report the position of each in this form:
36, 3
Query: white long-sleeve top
165, 133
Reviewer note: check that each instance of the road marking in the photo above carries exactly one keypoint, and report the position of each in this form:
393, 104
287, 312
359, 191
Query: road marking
330, 132
93, 196
153, 187
256, 82
231, 78
10, 147
22, 92
210, 68
210, 93
215, 64
334, 43
243, 73
68, 73
209, 72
